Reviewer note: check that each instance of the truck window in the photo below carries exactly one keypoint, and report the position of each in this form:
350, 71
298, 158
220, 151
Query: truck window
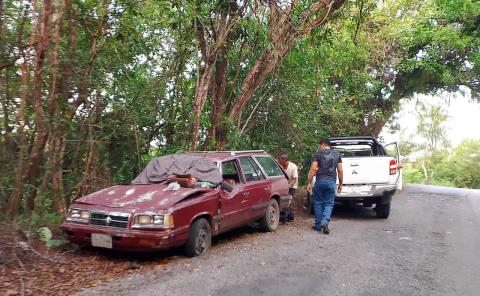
354, 150
250, 172
230, 172
270, 166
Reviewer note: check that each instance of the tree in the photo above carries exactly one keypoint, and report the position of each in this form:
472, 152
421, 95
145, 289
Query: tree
286, 25
431, 125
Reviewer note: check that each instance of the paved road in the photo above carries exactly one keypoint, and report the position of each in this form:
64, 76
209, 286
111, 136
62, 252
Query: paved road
430, 245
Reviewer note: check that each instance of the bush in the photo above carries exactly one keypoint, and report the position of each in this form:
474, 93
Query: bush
413, 176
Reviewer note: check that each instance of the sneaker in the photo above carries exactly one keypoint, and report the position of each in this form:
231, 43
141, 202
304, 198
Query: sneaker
325, 229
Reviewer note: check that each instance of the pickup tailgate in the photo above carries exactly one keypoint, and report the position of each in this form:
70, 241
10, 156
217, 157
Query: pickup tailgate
366, 170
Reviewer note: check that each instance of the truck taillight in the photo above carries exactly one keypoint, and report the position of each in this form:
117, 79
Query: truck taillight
393, 167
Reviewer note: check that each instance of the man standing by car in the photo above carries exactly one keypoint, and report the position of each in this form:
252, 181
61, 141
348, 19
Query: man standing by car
291, 170
325, 164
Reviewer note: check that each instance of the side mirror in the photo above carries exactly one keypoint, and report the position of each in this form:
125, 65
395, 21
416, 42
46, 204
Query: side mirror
227, 187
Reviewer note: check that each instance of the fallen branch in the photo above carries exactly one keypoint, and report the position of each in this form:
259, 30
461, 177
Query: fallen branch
43, 256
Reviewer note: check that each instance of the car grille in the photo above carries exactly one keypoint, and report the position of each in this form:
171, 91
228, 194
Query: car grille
109, 220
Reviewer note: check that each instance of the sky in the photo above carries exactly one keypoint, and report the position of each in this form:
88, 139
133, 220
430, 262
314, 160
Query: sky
463, 122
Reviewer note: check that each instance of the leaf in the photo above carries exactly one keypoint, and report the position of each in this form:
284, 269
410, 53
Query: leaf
55, 243
45, 234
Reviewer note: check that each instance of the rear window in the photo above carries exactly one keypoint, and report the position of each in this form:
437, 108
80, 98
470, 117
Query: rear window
269, 166
354, 151
358, 148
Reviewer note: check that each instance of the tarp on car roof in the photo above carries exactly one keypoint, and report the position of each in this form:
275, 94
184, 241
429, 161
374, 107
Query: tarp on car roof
160, 169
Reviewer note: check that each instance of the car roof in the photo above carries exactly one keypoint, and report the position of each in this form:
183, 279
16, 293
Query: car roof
355, 139
225, 155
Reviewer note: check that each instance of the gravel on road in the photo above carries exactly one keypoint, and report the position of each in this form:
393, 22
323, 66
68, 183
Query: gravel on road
428, 246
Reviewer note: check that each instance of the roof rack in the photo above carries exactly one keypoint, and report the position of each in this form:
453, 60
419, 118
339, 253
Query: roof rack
232, 152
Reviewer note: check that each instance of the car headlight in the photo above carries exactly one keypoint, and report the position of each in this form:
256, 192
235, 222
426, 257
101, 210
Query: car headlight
78, 215
154, 220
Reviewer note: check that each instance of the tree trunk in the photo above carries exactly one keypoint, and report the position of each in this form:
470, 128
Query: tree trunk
201, 94
30, 170
216, 133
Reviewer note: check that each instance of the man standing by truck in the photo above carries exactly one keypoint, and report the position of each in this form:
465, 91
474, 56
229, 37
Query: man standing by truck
325, 165
291, 170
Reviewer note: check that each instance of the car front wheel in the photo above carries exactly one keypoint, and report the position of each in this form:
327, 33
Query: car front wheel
199, 239
270, 221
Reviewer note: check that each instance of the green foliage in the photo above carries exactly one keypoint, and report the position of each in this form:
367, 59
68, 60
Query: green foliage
45, 235
412, 175
346, 78
458, 168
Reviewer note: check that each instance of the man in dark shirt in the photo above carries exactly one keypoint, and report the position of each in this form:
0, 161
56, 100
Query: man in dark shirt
325, 164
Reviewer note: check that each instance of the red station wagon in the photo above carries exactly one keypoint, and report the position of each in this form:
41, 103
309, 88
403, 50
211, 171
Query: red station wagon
182, 200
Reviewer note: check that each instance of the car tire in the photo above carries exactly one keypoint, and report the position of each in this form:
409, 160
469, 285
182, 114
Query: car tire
383, 211
199, 238
270, 221
310, 207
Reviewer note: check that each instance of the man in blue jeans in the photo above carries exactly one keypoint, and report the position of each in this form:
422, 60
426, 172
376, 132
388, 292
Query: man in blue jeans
325, 164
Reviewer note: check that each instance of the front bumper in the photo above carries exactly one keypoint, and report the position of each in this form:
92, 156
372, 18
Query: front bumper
126, 239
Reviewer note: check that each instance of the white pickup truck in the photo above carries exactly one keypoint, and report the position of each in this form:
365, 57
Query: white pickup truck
371, 173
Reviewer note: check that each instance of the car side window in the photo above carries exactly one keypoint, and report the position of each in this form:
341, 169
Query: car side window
250, 172
230, 172
270, 166
260, 175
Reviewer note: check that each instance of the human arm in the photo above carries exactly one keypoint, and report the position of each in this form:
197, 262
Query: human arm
293, 180
311, 173
340, 176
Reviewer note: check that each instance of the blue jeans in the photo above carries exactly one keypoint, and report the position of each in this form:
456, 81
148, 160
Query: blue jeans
323, 199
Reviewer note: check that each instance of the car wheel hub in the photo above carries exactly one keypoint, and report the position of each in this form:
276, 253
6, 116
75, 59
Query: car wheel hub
201, 244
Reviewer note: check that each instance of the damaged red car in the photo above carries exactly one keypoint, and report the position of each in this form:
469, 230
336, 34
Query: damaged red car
182, 200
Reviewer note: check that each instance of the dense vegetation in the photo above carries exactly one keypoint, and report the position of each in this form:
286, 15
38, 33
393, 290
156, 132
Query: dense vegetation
459, 167
434, 160
90, 90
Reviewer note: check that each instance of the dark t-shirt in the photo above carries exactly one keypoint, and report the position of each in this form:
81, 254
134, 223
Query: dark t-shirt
327, 160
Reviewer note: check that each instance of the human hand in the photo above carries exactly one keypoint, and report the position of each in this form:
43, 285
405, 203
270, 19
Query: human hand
339, 188
309, 188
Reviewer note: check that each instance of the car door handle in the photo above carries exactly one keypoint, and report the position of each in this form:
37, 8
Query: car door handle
267, 188
246, 193
244, 201
354, 165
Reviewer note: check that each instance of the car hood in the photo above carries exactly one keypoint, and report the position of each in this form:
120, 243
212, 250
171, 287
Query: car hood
150, 197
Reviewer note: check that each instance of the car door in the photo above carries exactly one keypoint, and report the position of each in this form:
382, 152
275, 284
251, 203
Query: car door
397, 178
234, 206
257, 187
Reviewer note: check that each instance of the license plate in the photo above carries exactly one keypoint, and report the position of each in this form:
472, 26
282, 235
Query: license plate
102, 240
356, 189
365, 188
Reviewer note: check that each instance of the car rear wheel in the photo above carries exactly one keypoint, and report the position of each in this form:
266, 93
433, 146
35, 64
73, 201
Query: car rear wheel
383, 211
271, 219
199, 238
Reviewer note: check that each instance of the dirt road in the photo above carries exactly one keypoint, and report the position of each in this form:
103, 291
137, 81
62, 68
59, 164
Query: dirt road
429, 246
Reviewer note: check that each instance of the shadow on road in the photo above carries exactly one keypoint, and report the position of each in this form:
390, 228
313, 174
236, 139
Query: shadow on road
353, 212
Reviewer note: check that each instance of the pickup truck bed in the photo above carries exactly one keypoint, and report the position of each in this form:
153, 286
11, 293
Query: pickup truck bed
371, 174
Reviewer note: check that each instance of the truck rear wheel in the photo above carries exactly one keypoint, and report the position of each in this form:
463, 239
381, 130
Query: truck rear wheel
199, 238
383, 211
270, 221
